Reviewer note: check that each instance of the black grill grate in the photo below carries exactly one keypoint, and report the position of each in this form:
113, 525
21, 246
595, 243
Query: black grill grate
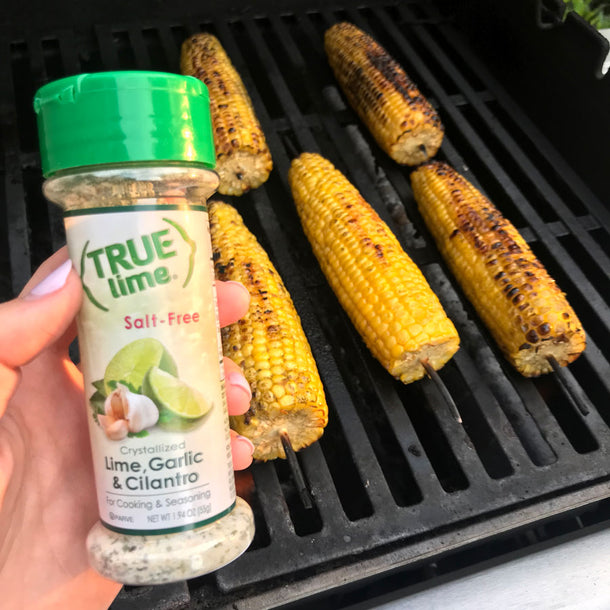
395, 479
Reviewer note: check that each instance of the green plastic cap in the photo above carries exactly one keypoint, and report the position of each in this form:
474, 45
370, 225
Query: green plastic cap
114, 117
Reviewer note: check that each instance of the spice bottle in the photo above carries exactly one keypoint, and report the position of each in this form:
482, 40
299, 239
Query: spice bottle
130, 157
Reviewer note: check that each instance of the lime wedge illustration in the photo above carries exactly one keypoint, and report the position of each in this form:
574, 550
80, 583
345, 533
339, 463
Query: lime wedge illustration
131, 363
180, 406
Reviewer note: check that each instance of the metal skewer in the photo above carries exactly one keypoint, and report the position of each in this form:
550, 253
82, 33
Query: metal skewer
293, 153
572, 391
295, 468
440, 384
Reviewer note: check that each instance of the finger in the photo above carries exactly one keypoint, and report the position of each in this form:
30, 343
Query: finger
233, 301
237, 388
241, 450
36, 319
53, 262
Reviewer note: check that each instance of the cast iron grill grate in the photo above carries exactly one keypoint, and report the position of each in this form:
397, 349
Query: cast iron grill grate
394, 479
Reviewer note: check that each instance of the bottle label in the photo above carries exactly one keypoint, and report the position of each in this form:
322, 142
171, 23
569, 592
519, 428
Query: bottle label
152, 364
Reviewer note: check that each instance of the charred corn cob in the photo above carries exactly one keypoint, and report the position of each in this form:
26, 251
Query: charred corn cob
243, 160
522, 306
382, 290
401, 120
268, 343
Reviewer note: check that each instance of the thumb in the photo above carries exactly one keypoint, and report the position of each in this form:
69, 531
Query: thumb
37, 318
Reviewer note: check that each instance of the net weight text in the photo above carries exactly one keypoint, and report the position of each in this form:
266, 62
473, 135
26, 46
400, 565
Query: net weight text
178, 515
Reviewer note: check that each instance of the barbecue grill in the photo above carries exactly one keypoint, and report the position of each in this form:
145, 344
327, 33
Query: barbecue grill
401, 492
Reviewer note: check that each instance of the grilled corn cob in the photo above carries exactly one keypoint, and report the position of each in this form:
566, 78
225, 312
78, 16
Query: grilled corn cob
524, 309
243, 160
402, 121
382, 290
268, 343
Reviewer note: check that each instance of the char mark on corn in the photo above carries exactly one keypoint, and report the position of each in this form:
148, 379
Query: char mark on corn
524, 309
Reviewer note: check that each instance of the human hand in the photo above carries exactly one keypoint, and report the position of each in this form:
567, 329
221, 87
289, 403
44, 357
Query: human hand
47, 491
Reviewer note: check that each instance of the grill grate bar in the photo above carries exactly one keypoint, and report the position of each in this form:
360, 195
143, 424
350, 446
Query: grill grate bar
136, 41
591, 422
17, 228
364, 457
109, 57
406, 437
279, 85
68, 53
376, 394
169, 49
275, 510
510, 451
36, 62
482, 413
323, 488
457, 439
547, 420
594, 356
44, 219
573, 392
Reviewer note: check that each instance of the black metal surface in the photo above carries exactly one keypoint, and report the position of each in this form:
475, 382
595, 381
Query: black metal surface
174, 596
552, 60
395, 479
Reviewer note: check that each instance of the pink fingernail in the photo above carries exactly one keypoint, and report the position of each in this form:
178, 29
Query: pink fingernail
54, 281
236, 283
246, 441
237, 380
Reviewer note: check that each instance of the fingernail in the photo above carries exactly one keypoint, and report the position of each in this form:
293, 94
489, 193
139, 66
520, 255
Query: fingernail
246, 442
243, 288
54, 281
237, 380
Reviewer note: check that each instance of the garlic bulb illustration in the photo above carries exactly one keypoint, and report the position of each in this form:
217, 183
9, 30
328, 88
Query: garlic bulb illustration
127, 412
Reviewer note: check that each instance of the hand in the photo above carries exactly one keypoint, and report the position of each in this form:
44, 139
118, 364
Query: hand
47, 492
